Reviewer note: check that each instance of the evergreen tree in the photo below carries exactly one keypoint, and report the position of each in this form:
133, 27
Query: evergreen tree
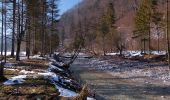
106, 25
143, 21
53, 15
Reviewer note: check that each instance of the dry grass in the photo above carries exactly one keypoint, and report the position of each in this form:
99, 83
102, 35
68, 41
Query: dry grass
11, 72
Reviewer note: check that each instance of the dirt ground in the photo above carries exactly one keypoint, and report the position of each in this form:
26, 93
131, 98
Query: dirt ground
32, 88
121, 79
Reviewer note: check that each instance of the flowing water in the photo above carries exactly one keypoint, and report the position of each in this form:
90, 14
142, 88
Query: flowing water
107, 86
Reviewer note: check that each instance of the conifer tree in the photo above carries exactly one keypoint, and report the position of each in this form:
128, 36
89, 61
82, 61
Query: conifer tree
143, 21
106, 25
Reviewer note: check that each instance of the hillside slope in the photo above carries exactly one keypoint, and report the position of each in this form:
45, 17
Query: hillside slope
84, 17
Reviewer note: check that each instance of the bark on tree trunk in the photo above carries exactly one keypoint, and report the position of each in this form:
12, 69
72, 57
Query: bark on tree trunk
149, 41
5, 33
28, 39
2, 35
144, 44
43, 31
1, 69
21, 33
1, 65
18, 49
13, 33
104, 53
167, 35
52, 27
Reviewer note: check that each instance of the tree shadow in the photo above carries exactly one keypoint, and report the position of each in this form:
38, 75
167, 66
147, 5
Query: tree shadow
3, 79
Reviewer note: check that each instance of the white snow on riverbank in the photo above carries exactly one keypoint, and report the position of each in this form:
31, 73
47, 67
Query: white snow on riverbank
26, 72
15, 80
88, 98
135, 53
20, 79
8, 53
65, 92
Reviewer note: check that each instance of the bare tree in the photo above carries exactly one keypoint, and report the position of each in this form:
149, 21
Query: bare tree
13, 30
2, 67
5, 28
167, 34
21, 32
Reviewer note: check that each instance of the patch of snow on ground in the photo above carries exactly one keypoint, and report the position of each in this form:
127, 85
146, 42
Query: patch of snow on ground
159, 53
8, 53
65, 92
83, 55
37, 57
23, 57
54, 67
15, 80
53, 77
111, 54
47, 74
11, 69
135, 53
131, 53
26, 72
80, 55
9, 64
88, 98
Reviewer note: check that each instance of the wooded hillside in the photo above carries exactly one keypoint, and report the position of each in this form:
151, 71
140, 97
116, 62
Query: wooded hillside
85, 18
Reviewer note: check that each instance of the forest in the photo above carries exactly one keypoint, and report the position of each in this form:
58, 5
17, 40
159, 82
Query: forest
96, 50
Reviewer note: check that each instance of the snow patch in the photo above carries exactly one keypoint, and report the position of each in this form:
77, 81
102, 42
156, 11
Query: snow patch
88, 98
9, 64
54, 67
135, 53
15, 80
11, 69
26, 72
111, 54
37, 57
65, 92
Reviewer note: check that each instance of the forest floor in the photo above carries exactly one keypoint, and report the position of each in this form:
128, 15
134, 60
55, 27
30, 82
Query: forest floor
37, 78
115, 78
26, 81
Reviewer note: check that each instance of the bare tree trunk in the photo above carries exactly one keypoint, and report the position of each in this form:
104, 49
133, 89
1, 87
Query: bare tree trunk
62, 36
34, 37
158, 38
141, 45
144, 45
104, 53
2, 35
43, 30
1, 65
13, 33
1, 69
149, 41
21, 33
18, 34
5, 31
28, 28
52, 27
167, 34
